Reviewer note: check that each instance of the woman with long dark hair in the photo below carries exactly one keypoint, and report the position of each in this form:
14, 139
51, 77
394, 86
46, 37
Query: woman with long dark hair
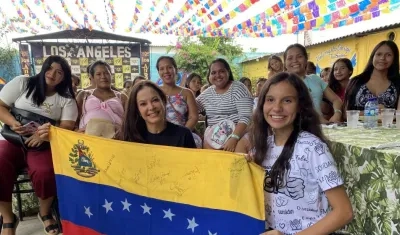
181, 108
145, 119
296, 60
49, 94
301, 179
338, 79
228, 105
339, 76
380, 79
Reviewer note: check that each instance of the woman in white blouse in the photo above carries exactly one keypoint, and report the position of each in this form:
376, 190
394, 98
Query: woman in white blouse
48, 94
228, 105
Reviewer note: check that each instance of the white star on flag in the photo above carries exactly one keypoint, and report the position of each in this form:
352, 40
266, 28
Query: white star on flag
87, 211
168, 214
210, 233
107, 205
126, 205
192, 224
146, 209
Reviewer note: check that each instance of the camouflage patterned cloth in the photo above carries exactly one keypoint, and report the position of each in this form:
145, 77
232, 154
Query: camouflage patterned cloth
371, 176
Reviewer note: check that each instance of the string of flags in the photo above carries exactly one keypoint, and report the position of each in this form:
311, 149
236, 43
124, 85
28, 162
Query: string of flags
208, 18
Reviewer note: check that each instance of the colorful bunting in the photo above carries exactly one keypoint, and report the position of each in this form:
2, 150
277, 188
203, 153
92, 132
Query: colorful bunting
204, 17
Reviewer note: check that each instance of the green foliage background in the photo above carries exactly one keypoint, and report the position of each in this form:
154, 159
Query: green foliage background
196, 54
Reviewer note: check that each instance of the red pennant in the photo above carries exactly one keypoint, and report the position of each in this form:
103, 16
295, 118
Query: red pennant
354, 8
275, 8
295, 20
203, 10
254, 1
290, 15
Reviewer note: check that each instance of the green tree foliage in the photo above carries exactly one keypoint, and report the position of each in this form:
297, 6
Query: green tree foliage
196, 54
8, 56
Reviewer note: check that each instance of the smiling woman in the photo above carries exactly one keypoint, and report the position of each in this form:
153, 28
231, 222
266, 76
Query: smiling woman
145, 119
48, 94
101, 105
228, 105
380, 79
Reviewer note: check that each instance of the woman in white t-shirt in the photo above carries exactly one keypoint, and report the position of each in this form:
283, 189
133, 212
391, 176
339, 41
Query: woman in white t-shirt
302, 180
49, 94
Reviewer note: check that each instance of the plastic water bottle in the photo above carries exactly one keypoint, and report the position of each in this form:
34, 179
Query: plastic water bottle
371, 113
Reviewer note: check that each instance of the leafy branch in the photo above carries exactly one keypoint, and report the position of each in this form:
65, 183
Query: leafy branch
196, 54
8, 56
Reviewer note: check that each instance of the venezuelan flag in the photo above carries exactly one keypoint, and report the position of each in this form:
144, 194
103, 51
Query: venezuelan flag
112, 187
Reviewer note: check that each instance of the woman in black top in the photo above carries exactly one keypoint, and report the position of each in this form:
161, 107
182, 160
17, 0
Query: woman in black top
380, 79
145, 120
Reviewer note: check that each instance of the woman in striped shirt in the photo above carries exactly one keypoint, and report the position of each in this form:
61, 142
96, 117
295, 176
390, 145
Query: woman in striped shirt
226, 101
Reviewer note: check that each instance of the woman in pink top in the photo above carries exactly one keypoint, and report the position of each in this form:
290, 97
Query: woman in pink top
101, 102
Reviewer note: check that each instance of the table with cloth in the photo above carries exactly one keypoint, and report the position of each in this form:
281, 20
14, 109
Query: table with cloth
371, 176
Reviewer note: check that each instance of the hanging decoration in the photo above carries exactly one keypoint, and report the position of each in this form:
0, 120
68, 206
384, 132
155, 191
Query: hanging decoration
67, 11
200, 17
10, 26
182, 13
113, 15
26, 20
135, 18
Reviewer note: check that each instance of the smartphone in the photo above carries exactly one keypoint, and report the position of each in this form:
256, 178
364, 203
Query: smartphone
31, 127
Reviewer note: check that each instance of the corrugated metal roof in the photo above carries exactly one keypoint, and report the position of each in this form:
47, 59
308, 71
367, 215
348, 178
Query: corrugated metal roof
254, 58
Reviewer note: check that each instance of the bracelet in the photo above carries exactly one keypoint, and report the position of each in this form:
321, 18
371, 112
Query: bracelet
338, 111
234, 136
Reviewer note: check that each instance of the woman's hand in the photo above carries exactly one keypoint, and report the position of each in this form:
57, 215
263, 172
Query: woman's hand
273, 232
230, 145
80, 130
249, 157
34, 140
336, 118
43, 131
18, 128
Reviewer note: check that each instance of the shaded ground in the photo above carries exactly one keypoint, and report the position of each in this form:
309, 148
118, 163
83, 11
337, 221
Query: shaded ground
30, 226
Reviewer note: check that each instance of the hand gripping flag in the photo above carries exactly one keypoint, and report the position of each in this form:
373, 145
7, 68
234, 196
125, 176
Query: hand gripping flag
112, 187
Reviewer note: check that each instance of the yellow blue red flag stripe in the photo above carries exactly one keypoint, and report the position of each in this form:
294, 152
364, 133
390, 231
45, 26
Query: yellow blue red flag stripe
112, 187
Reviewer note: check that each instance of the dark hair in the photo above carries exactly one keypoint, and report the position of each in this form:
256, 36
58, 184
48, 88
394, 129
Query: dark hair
332, 82
307, 119
171, 59
361, 79
189, 79
244, 79
134, 126
37, 84
296, 45
274, 57
76, 77
261, 80
312, 66
226, 65
97, 63
137, 78
128, 82
326, 69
